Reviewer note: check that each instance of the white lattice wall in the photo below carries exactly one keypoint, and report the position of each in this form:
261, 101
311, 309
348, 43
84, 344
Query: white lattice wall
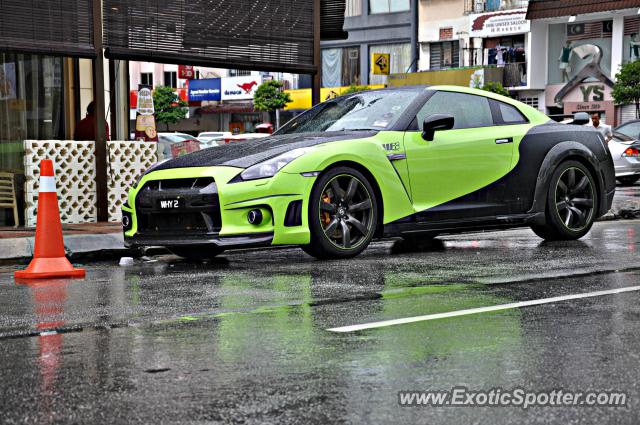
127, 161
74, 166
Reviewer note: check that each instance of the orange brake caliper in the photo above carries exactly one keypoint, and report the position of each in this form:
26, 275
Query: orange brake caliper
326, 217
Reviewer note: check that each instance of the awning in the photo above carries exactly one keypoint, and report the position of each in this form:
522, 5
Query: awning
541, 9
54, 27
261, 35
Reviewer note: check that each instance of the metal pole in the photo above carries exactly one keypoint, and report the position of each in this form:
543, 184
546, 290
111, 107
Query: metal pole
317, 60
113, 108
415, 46
100, 130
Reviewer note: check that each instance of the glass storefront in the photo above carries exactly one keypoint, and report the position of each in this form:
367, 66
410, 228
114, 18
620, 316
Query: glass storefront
31, 107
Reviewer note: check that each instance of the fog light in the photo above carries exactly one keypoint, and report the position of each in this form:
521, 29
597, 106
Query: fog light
254, 217
126, 221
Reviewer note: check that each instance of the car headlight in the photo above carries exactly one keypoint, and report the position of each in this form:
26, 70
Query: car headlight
150, 169
270, 167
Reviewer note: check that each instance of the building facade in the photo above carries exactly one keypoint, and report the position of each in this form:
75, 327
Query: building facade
374, 26
579, 49
456, 34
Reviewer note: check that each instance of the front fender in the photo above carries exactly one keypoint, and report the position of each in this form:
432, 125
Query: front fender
370, 155
558, 154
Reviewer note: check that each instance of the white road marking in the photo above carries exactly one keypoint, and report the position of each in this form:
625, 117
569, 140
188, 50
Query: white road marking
477, 310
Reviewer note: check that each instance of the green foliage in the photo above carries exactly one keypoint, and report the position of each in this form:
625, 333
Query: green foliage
355, 89
170, 109
270, 97
626, 90
495, 87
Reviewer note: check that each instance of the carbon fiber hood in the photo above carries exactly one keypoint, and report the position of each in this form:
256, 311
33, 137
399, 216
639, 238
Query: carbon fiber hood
246, 154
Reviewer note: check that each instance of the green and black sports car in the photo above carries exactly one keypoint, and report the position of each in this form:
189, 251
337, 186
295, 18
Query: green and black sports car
410, 162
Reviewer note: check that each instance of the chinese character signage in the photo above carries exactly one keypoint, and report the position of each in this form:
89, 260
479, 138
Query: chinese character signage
186, 72
499, 23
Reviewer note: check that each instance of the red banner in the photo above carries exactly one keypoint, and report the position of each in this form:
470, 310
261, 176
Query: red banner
186, 72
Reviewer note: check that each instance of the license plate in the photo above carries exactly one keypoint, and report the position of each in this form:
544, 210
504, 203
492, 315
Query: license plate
170, 204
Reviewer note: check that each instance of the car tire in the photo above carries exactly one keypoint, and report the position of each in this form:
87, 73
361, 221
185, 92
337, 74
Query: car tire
628, 180
572, 200
343, 214
196, 252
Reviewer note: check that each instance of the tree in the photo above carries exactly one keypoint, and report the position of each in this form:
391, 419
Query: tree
170, 109
626, 89
495, 87
269, 96
355, 89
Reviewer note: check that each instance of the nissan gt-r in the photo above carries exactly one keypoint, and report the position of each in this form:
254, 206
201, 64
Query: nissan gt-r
409, 162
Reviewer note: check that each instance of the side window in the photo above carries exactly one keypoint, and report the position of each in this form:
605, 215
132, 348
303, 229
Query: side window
469, 111
510, 114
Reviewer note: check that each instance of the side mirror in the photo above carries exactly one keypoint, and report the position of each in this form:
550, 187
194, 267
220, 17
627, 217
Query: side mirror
581, 118
436, 122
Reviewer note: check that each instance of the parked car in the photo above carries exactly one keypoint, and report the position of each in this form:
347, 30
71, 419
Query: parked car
166, 140
244, 137
625, 151
212, 138
408, 162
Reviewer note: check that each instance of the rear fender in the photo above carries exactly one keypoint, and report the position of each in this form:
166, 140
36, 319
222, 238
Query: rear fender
558, 154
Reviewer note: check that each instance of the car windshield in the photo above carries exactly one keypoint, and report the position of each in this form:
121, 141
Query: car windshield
623, 137
631, 129
185, 137
371, 110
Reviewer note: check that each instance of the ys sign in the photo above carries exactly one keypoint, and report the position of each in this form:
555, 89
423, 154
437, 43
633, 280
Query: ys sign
381, 63
595, 92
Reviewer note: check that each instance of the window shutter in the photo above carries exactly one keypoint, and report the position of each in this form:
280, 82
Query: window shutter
435, 56
57, 27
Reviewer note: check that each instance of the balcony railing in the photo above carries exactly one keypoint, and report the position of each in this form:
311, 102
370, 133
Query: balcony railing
483, 6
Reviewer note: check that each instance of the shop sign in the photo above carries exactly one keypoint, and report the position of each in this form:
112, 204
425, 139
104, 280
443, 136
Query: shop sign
145, 101
239, 88
499, 23
186, 72
208, 89
301, 98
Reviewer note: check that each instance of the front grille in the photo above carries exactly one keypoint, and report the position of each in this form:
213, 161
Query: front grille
198, 211
183, 184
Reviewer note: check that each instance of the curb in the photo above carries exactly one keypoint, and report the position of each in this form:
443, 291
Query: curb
111, 245
76, 246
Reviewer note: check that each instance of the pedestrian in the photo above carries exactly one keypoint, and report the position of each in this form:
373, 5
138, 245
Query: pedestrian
604, 129
86, 128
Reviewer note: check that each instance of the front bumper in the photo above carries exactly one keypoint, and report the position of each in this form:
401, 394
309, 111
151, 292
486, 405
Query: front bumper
239, 241
217, 215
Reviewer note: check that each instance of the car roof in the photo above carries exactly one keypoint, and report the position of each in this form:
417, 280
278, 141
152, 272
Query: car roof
628, 122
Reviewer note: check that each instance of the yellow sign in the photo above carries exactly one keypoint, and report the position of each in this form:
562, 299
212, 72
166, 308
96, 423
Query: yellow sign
450, 77
301, 98
381, 63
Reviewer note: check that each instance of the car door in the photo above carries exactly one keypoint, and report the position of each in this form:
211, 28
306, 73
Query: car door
454, 176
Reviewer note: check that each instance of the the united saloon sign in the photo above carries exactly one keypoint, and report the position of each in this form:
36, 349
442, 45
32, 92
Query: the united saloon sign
499, 23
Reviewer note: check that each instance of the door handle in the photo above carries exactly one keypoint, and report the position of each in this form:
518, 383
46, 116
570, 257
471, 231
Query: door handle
504, 140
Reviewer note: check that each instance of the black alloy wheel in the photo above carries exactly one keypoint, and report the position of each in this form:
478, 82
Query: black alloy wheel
342, 214
575, 199
572, 203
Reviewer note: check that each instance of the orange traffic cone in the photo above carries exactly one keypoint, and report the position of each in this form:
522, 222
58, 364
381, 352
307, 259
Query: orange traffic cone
48, 255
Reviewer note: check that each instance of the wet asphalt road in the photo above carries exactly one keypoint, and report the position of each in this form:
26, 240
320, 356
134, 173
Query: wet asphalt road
244, 339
